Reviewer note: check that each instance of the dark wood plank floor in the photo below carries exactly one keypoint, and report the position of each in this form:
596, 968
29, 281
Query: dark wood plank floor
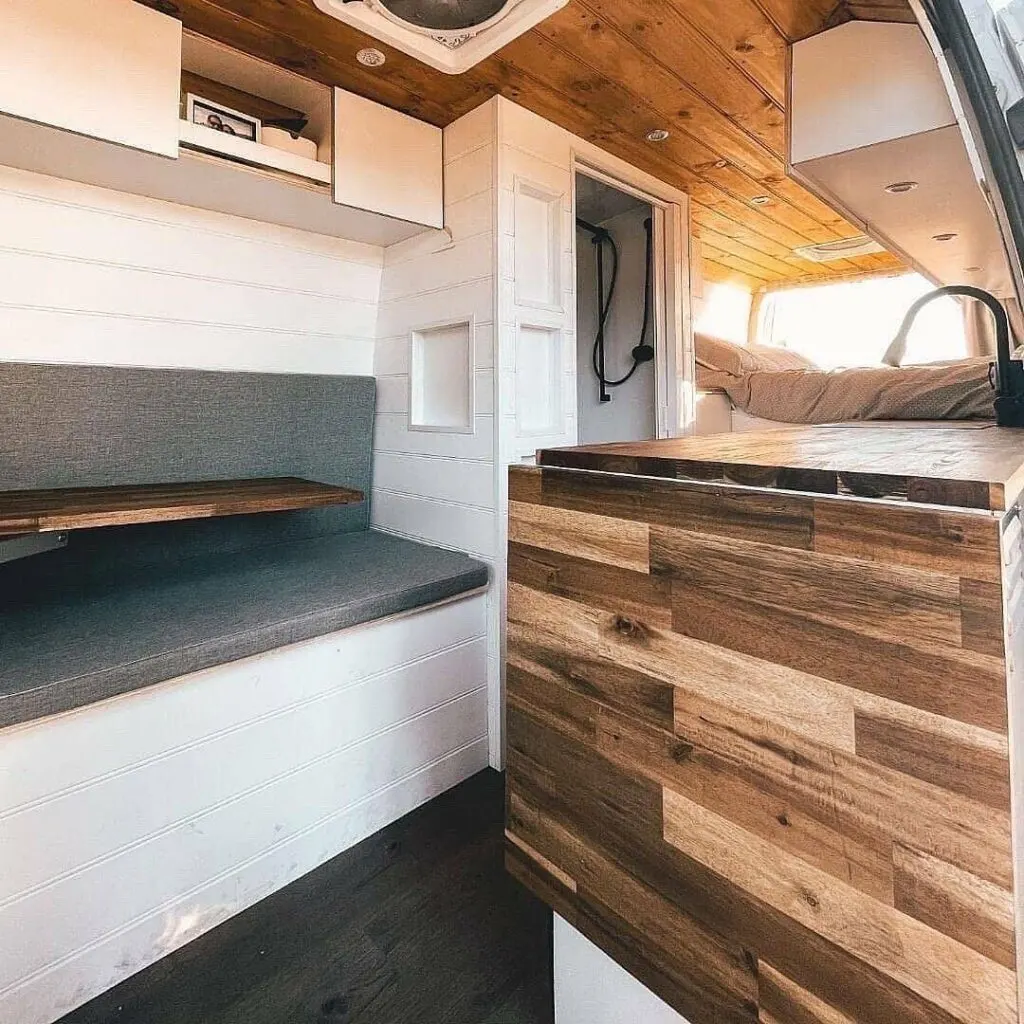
417, 925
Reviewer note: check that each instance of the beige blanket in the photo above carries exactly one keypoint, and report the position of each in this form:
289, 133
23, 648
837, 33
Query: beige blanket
951, 391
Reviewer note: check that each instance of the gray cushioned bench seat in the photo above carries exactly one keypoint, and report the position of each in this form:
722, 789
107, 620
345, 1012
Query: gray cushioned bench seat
87, 636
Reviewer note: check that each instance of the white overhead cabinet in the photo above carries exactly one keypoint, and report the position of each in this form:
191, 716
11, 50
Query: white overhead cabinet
387, 162
79, 75
109, 69
873, 133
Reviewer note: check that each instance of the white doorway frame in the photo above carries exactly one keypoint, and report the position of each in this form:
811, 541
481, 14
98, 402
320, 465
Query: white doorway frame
673, 345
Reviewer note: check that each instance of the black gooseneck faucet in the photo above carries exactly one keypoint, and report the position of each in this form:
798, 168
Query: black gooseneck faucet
1009, 382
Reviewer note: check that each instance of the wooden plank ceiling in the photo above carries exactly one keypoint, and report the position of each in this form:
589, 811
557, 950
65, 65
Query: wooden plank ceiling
712, 72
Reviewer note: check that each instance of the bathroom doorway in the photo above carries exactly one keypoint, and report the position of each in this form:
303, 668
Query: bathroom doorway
617, 319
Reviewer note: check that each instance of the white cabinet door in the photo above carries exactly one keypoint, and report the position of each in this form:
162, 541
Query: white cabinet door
387, 162
110, 69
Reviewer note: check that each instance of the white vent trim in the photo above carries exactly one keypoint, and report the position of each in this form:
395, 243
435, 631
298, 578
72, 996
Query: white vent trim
450, 52
823, 252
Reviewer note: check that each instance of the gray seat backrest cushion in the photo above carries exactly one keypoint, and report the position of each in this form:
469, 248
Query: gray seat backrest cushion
76, 426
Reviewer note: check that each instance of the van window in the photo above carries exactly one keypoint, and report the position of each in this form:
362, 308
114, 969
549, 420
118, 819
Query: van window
851, 323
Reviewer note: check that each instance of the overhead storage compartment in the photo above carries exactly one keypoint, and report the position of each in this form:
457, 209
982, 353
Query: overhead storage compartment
872, 132
102, 91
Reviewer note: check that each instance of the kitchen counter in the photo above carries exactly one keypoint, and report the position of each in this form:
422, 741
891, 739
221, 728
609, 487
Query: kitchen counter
758, 722
972, 465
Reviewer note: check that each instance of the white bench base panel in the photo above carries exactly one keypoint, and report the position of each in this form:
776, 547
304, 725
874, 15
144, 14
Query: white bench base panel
129, 827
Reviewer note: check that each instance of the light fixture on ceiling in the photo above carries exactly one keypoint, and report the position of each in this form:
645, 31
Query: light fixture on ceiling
946, 236
371, 57
972, 270
760, 200
658, 135
898, 188
844, 248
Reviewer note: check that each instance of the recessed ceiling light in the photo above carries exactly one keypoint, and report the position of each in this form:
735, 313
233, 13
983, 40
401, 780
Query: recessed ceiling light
371, 57
897, 188
972, 270
658, 135
760, 200
946, 236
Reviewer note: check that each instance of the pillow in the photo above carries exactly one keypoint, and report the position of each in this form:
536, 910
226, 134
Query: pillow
737, 361
774, 360
723, 356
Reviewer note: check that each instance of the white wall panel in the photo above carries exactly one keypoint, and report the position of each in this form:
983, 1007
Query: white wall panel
449, 524
458, 480
438, 485
91, 275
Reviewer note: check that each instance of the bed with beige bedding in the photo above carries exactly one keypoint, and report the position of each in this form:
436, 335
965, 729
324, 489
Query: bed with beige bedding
780, 386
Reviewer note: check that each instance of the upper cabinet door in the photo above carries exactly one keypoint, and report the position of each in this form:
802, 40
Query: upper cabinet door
387, 162
110, 69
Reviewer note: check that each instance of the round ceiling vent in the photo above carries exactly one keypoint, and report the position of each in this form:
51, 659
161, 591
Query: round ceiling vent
442, 16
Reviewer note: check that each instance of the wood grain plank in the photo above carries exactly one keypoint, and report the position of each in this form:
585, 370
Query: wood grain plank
809, 706
857, 796
874, 600
619, 815
86, 507
549, 866
714, 978
861, 860
643, 697
959, 979
616, 542
959, 465
981, 617
524, 485
955, 684
963, 545
978, 772
785, 520
636, 595
783, 1001
962, 906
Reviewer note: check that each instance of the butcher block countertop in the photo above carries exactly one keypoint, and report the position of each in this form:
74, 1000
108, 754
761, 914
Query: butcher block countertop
969, 465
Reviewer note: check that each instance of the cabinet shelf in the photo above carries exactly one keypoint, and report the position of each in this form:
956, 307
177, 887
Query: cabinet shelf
82, 508
256, 154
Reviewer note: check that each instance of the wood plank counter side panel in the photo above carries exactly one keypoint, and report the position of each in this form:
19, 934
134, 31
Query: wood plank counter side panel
764, 764
84, 507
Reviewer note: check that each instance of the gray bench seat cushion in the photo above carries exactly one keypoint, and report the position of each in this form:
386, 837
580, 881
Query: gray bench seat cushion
87, 636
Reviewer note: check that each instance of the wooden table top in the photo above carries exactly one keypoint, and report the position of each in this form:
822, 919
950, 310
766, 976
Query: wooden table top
84, 507
972, 465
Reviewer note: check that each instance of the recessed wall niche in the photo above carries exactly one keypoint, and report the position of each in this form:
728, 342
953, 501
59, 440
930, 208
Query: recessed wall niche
441, 373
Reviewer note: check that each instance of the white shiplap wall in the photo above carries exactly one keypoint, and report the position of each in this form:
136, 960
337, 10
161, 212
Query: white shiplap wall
435, 486
129, 827
97, 276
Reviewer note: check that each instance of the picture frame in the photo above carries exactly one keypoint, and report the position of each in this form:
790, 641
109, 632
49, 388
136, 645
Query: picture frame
218, 117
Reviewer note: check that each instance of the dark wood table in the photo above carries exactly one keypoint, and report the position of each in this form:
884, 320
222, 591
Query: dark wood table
81, 508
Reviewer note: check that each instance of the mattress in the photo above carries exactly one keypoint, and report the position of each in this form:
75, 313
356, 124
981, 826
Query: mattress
947, 391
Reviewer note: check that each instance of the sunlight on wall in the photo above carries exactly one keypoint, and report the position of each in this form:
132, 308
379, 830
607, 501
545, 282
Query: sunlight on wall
852, 323
724, 312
